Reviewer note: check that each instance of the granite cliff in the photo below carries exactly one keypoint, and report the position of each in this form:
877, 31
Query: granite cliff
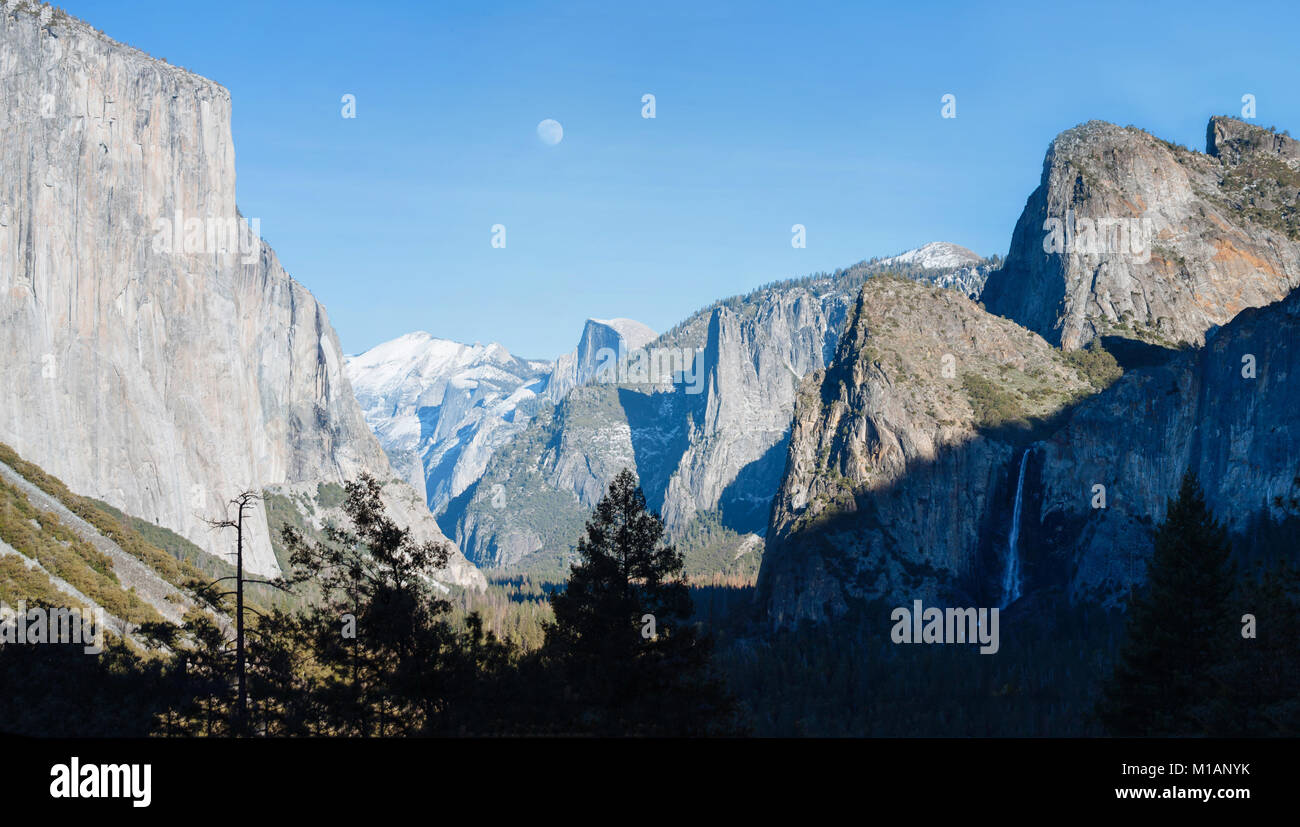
1134, 237
157, 355
900, 450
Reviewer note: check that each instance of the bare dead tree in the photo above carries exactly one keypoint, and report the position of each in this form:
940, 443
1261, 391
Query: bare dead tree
244, 501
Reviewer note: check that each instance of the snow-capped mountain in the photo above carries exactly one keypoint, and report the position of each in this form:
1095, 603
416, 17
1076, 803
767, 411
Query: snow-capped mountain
511, 453
709, 451
942, 264
937, 255
440, 408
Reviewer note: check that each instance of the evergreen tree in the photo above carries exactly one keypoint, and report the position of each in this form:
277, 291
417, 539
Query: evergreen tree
376, 631
1261, 675
630, 661
198, 670
1178, 634
389, 660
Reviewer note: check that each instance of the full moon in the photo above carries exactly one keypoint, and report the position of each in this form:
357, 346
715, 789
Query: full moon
550, 132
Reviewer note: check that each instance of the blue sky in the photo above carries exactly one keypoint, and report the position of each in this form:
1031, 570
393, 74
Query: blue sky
767, 115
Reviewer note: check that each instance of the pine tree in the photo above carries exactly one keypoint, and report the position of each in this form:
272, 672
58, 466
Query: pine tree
631, 661
377, 630
1178, 629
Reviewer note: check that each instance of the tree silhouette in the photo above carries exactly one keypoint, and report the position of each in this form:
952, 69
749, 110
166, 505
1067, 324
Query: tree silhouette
378, 630
1178, 633
629, 658
1262, 671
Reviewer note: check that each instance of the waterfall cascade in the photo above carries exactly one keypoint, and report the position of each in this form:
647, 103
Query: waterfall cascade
1011, 577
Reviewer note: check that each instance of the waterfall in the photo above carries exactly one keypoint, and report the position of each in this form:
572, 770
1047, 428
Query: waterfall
1011, 579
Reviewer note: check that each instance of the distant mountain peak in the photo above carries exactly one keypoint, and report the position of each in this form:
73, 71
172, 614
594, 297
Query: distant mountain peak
634, 333
439, 407
937, 255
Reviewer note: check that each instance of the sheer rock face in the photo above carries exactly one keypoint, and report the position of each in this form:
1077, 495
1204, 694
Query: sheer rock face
753, 367
160, 368
600, 337
890, 464
1128, 235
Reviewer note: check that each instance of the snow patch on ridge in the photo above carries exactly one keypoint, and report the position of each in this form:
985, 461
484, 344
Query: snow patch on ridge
937, 255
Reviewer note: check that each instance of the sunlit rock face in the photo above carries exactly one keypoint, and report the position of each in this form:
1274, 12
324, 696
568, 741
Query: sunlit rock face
1128, 235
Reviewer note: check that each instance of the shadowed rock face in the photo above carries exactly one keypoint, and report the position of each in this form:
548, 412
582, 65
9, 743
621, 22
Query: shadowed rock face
162, 371
1236, 142
717, 446
1128, 235
1202, 411
753, 368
